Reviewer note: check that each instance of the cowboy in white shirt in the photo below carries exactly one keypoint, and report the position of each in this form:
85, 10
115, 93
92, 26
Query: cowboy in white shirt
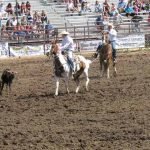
67, 46
112, 35
112, 39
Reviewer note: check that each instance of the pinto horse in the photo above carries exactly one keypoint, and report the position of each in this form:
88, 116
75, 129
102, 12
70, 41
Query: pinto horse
105, 59
62, 68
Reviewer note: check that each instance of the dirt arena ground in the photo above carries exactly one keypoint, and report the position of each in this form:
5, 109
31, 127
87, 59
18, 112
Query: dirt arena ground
113, 115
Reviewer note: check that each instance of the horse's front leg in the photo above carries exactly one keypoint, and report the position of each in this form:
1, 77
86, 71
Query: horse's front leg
67, 84
57, 86
107, 69
101, 67
108, 76
115, 69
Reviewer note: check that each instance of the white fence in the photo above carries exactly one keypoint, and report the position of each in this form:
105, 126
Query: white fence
123, 42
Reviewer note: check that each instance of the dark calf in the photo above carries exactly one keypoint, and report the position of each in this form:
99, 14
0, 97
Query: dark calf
7, 78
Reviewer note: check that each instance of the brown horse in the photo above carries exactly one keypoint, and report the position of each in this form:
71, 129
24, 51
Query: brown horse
105, 59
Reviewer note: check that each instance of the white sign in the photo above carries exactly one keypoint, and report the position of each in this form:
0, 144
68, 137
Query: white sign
89, 45
26, 50
4, 51
131, 41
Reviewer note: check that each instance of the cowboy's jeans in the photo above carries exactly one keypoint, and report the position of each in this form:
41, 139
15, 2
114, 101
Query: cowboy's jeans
70, 59
113, 44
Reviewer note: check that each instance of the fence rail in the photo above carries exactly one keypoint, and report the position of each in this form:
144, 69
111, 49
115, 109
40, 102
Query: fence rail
78, 32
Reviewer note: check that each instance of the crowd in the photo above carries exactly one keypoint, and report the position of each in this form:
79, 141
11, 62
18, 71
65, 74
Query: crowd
109, 12
23, 22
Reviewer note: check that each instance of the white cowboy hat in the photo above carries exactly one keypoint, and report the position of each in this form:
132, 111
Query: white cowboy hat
110, 24
64, 33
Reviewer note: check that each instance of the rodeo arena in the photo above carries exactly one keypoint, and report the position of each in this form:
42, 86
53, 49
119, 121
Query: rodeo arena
75, 75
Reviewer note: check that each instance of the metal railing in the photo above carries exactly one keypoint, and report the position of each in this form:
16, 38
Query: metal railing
77, 32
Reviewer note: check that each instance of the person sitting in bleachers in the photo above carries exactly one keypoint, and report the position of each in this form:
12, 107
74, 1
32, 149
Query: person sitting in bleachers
14, 21
4, 32
121, 6
129, 10
43, 17
98, 7
9, 28
49, 29
24, 21
35, 17
113, 10
17, 9
28, 6
84, 8
2, 10
70, 6
23, 8
29, 17
106, 6
9, 9
136, 9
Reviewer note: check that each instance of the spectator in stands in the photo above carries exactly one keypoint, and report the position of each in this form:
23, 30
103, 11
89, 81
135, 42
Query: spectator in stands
147, 6
84, 8
98, 7
129, 10
17, 9
24, 21
76, 3
3, 31
29, 17
28, 6
35, 17
121, 6
43, 17
49, 29
136, 9
14, 21
70, 6
2, 10
113, 10
9, 9
67, 46
106, 6
23, 8
9, 28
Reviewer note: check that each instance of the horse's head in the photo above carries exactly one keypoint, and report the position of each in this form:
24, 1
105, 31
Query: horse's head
54, 47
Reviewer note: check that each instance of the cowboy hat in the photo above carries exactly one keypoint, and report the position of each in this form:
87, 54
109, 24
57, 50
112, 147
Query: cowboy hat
110, 24
64, 33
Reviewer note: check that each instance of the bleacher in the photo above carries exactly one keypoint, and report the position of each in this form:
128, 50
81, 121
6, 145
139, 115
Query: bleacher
83, 25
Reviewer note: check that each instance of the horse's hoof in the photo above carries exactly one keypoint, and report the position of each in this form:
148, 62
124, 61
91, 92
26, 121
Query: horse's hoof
55, 95
87, 89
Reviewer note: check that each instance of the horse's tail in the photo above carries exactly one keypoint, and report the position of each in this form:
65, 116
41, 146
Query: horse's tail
89, 61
